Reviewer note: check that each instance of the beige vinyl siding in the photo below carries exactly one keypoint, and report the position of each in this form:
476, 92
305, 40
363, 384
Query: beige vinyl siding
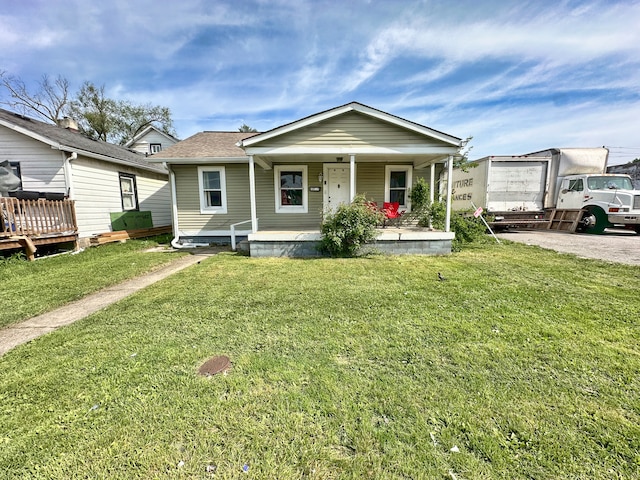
41, 167
96, 187
350, 129
238, 201
188, 199
370, 181
266, 203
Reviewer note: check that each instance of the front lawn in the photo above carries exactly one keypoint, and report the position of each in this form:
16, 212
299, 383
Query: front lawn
522, 364
31, 288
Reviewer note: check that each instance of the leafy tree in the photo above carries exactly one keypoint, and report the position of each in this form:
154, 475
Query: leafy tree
48, 102
98, 117
93, 111
115, 121
246, 128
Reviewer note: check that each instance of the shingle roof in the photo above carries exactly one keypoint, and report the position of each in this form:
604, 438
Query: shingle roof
69, 140
206, 145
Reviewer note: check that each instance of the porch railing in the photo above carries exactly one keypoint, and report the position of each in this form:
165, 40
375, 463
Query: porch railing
36, 218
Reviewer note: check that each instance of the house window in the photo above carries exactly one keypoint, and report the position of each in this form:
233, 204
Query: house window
155, 147
213, 189
291, 188
397, 184
128, 191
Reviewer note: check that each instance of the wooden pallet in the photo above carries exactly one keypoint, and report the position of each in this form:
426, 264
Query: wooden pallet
124, 235
565, 220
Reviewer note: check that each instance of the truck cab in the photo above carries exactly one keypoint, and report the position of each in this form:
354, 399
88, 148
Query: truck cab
607, 200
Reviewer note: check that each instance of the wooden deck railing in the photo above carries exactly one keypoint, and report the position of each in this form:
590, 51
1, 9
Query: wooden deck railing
35, 218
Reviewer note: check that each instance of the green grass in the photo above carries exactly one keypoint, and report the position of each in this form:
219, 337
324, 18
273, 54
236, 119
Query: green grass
31, 288
525, 360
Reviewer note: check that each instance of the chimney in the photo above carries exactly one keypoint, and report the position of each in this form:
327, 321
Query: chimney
69, 124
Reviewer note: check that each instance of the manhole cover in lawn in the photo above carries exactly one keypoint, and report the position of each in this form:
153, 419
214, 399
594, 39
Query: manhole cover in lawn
218, 364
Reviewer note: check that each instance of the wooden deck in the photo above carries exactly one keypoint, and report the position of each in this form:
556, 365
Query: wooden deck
29, 223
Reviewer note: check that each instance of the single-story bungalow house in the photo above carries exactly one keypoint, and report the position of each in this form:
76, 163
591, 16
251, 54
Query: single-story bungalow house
106, 187
274, 187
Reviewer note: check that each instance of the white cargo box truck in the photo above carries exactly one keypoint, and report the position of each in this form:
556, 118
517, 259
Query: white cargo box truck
541, 188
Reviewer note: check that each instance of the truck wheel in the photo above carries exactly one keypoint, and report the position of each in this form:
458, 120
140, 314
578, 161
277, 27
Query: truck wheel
594, 221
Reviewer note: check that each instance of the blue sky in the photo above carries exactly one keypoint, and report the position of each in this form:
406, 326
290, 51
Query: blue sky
517, 76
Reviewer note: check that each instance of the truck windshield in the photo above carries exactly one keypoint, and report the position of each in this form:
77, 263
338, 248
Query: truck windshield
609, 183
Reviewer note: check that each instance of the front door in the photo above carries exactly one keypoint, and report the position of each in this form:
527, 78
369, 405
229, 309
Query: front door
336, 186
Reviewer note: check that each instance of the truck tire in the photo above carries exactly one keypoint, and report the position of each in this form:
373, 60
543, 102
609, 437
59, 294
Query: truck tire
594, 220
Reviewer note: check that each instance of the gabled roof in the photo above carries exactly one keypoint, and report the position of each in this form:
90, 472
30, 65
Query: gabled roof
70, 141
171, 138
205, 145
351, 107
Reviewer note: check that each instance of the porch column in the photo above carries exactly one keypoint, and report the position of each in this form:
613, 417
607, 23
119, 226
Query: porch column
447, 220
352, 177
432, 190
252, 194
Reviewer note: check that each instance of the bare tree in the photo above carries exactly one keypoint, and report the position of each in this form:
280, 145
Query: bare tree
48, 101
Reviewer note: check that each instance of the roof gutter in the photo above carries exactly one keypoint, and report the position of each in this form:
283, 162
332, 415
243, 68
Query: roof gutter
97, 156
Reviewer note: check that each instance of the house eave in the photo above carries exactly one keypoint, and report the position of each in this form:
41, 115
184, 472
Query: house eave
198, 160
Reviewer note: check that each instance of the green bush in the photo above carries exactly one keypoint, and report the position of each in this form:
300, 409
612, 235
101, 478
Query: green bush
467, 228
345, 231
420, 203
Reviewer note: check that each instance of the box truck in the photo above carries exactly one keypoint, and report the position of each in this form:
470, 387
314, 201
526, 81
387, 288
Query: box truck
561, 188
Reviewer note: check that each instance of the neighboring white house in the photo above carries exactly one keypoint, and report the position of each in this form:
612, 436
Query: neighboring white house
109, 183
151, 140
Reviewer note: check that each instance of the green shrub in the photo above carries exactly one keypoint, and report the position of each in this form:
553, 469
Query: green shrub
420, 203
467, 228
345, 231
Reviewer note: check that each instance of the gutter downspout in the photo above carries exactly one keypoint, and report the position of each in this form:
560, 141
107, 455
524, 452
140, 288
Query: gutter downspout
68, 174
174, 207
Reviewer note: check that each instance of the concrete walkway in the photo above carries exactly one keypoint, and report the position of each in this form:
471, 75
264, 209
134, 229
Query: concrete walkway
19, 333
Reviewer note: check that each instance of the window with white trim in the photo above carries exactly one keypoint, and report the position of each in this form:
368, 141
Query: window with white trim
155, 147
128, 191
213, 189
291, 185
398, 180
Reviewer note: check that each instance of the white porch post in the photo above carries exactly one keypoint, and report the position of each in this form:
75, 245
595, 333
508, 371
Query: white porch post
432, 180
447, 220
352, 177
432, 190
252, 194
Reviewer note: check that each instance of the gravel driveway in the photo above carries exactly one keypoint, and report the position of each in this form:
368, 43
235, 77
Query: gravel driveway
620, 246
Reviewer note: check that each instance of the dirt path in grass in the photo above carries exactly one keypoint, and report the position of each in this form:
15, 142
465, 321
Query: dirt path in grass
619, 246
23, 332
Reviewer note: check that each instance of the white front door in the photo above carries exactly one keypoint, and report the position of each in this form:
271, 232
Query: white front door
336, 186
